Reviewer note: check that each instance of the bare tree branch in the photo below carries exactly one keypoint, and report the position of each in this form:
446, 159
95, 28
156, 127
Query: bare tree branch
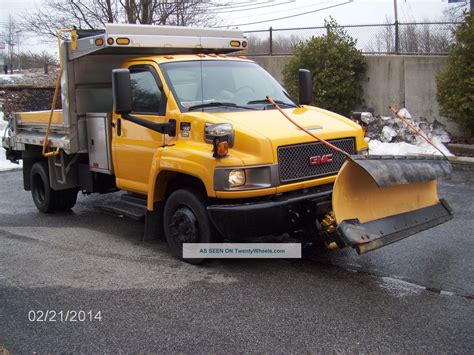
92, 14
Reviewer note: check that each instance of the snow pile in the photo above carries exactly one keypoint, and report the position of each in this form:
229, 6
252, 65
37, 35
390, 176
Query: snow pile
34, 77
5, 164
391, 136
10, 78
377, 147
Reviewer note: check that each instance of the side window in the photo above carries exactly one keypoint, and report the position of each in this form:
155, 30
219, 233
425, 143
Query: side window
146, 94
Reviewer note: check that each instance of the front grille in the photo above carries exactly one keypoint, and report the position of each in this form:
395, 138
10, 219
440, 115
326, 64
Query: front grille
294, 160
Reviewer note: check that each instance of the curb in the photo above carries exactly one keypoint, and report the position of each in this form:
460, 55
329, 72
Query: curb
10, 170
462, 162
461, 149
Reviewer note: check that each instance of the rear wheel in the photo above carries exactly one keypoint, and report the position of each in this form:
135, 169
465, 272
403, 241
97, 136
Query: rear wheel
45, 198
186, 221
43, 195
66, 199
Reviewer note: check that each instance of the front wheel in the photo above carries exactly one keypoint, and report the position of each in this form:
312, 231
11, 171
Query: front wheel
186, 221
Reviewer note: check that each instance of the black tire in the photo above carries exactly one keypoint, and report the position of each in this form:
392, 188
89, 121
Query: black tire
185, 221
43, 195
66, 199
45, 198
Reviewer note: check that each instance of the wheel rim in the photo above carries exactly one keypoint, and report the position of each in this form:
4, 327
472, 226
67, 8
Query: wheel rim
39, 188
184, 227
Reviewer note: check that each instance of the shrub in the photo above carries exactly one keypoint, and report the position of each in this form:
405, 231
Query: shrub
337, 68
455, 92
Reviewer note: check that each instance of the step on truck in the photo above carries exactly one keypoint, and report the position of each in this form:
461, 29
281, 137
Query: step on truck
209, 146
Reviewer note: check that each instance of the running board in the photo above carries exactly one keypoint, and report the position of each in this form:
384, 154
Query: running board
129, 206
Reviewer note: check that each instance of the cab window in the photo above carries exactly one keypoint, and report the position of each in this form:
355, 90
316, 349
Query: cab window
146, 94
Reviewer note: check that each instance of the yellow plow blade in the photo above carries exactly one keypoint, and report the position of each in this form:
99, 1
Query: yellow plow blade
380, 200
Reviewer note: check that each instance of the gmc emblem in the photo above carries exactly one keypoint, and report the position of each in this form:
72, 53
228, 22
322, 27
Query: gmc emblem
320, 159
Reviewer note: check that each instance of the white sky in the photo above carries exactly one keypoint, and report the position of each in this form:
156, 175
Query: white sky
357, 12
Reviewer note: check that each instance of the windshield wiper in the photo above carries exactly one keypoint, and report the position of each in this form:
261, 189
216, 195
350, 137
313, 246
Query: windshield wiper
264, 101
219, 104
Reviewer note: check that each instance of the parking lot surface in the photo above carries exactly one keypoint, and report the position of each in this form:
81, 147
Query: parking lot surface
413, 296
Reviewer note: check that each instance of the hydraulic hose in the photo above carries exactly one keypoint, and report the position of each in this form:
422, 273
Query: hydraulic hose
404, 120
325, 142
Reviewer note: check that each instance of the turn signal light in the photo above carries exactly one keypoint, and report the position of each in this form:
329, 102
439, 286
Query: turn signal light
99, 42
122, 41
235, 43
222, 149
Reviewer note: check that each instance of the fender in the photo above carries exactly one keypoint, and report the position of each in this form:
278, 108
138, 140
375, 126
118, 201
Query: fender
198, 163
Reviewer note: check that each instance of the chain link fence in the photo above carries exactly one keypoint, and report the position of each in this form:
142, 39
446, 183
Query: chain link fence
394, 38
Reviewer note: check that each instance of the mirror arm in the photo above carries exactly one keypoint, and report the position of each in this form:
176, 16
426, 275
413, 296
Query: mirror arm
164, 128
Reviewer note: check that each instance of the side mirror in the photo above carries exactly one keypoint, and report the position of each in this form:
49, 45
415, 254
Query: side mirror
305, 86
122, 91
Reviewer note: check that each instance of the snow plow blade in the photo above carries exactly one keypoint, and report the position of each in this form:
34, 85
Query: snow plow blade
382, 199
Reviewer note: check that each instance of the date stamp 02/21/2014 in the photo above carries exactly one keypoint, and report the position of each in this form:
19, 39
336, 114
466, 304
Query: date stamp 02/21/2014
64, 316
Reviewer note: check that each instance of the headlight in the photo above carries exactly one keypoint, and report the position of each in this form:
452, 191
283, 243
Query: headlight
237, 178
246, 178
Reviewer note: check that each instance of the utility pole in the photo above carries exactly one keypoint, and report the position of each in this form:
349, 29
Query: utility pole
17, 32
397, 42
9, 36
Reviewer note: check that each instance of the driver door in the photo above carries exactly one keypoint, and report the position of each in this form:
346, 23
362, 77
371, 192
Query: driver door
134, 145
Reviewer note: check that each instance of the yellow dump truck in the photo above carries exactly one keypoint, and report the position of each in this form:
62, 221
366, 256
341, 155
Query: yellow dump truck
210, 147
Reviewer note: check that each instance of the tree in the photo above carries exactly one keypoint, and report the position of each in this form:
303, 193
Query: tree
384, 39
280, 44
456, 11
455, 92
42, 60
337, 68
94, 14
10, 35
413, 38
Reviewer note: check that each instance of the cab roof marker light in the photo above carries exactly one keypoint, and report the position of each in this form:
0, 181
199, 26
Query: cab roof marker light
123, 41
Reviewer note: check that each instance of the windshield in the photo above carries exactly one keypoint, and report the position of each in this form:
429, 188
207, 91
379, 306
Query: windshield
222, 85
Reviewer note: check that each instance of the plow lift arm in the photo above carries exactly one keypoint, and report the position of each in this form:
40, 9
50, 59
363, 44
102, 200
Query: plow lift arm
378, 200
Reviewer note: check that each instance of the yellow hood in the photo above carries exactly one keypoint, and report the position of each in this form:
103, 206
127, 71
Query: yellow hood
274, 126
257, 132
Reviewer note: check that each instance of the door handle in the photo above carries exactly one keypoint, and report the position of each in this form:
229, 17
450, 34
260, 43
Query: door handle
119, 127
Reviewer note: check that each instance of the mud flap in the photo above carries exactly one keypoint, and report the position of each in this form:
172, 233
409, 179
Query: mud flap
380, 200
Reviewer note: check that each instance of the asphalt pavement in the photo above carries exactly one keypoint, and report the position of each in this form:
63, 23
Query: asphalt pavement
413, 296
